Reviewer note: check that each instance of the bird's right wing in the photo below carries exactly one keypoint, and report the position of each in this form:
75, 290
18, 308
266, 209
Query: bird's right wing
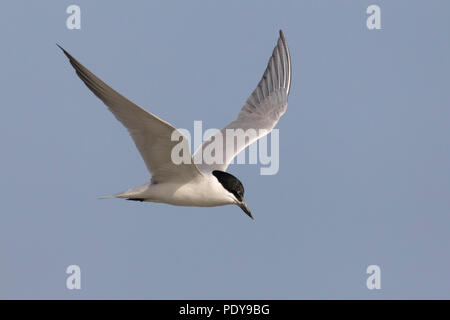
151, 134
260, 113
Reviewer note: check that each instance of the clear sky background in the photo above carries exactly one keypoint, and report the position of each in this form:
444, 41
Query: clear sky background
364, 153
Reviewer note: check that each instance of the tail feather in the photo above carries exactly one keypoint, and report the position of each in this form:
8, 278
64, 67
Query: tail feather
133, 193
106, 197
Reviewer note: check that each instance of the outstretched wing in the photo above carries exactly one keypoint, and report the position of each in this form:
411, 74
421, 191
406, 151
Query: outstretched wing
151, 134
261, 112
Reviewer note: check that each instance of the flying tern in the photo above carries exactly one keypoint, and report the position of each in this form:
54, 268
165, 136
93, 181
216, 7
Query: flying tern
189, 184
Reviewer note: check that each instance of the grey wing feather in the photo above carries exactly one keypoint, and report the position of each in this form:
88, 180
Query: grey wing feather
261, 112
151, 134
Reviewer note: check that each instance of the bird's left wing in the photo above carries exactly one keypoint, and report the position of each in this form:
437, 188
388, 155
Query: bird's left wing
151, 134
258, 116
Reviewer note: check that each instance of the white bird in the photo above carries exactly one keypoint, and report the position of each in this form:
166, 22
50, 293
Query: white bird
186, 184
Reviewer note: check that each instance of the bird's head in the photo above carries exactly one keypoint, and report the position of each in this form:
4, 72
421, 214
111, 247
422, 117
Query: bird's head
234, 187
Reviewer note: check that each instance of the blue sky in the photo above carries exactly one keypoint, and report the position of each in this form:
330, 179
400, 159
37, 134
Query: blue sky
364, 151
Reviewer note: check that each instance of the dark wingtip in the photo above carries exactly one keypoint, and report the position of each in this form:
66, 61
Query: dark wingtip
60, 47
135, 199
64, 51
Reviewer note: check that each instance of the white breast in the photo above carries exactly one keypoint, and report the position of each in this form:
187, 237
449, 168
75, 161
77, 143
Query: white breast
204, 191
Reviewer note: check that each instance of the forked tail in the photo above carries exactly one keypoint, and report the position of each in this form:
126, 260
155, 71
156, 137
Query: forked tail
130, 194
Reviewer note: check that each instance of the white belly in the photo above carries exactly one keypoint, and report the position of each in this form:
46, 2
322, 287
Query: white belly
202, 192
